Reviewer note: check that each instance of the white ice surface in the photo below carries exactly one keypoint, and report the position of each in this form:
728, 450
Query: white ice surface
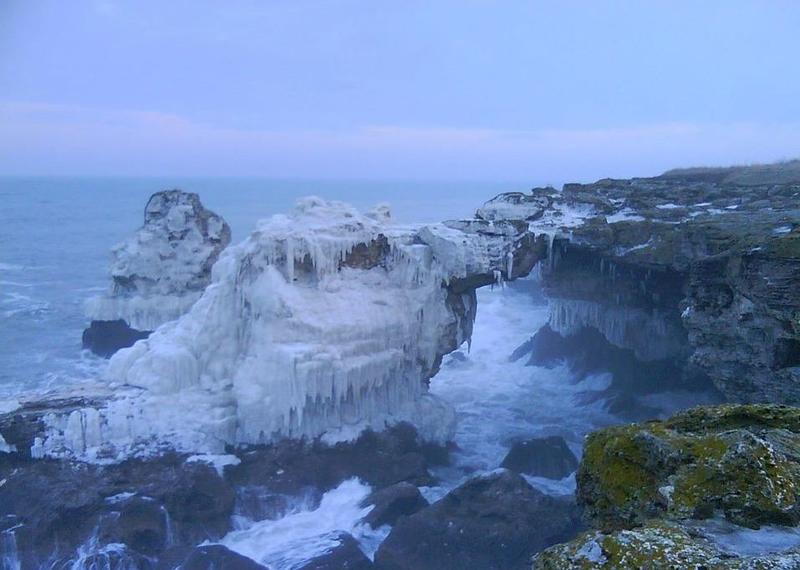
286, 342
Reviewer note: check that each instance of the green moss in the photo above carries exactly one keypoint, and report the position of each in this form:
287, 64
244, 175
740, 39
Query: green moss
739, 460
615, 466
731, 416
655, 546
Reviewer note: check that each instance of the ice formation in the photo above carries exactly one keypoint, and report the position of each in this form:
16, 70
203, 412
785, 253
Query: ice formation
324, 321
160, 271
648, 334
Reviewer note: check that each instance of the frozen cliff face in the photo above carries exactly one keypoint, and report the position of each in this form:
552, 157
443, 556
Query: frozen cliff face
160, 271
323, 322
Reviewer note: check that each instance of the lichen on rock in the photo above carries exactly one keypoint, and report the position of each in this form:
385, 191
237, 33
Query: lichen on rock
740, 461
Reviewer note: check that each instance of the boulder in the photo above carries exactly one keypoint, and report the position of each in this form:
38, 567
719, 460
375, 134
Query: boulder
346, 556
393, 502
548, 457
497, 521
742, 461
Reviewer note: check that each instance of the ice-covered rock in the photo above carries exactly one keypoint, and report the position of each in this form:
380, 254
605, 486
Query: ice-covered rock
160, 271
325, 321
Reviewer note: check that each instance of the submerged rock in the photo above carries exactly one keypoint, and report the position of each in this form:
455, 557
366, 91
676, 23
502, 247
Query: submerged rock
542, 457
495, 522
158, 273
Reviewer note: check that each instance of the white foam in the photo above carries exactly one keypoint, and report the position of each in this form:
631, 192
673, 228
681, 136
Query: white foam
498, 401
289, 542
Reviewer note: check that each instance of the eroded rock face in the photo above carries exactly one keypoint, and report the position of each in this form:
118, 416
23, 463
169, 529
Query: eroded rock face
698, 269
495, 522
159, 272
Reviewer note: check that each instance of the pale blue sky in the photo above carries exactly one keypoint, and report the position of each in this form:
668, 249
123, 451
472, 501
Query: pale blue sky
472, 89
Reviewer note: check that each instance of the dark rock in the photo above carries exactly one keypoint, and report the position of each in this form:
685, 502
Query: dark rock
698, 266
56, 506
141, 524
217, 557
544, 457
377, 458
346, 556
393, 502
496, 521
104, 338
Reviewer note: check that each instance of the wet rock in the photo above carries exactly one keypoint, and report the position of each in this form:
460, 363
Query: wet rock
740, 461
216, 557
104, 338
393, 502
140, 523
378, 458
495, 522
346, 556
61, 508
548, 457
654, 546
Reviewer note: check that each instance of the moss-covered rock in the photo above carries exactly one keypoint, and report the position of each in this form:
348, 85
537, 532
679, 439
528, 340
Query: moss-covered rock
655, 546
741, 461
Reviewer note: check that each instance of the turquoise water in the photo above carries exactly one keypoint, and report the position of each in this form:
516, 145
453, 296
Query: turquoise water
56, 233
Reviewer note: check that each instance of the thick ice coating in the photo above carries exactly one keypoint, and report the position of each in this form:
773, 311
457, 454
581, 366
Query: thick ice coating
160, 271
323, 322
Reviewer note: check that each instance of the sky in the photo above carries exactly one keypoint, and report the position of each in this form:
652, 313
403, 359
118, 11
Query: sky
545, 91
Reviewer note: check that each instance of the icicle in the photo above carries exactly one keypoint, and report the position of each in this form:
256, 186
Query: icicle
169, 537
510, 265
289, 260
9, 554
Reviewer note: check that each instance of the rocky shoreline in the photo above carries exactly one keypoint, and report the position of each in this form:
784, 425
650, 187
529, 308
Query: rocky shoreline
686, 282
